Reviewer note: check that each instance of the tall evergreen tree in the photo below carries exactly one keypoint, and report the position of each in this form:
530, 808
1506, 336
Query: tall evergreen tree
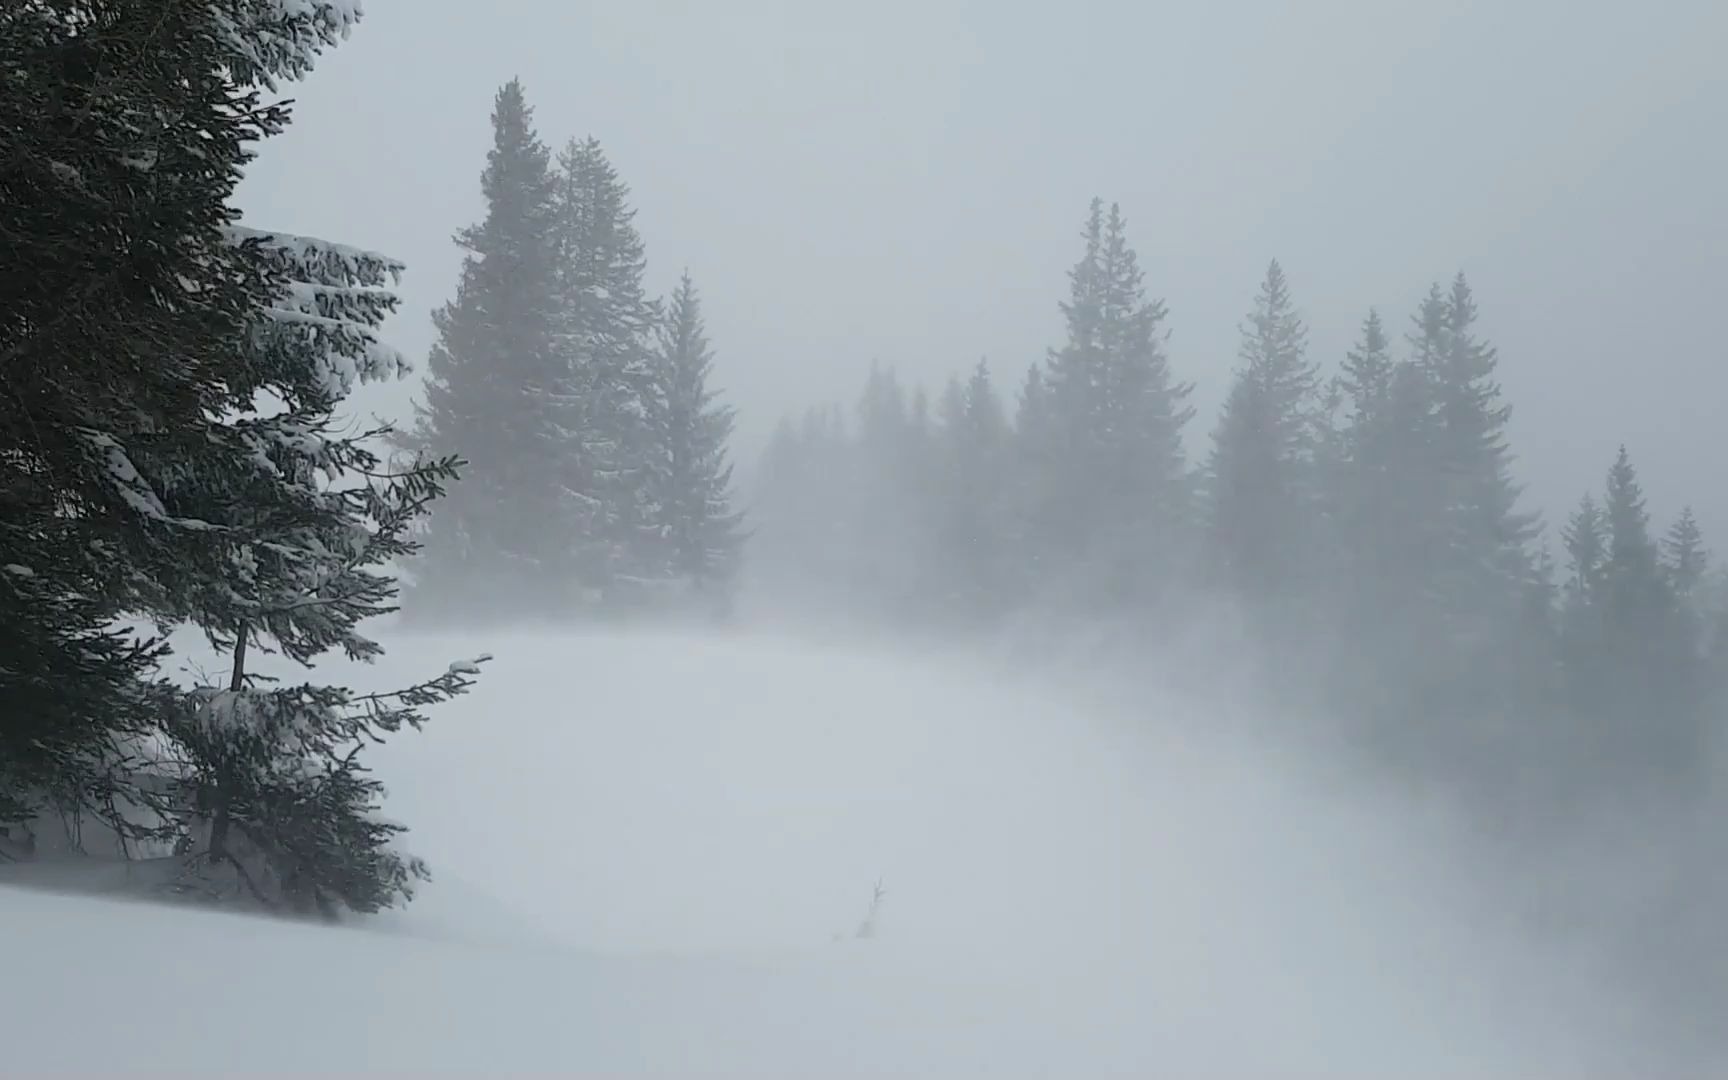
951, 406
1586, 542
606, 325
1488, 563
1357, 468
888, 500
182, 456
298, 518
1031, 529
1454, 561
494, 391
1115, 501
802, 514
694, 500
1684, 556
972, 511
1263, 484
127, 125
1634, 667
986, 419
1367, 376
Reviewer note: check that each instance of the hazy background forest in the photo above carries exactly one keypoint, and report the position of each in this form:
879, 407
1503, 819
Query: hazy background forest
1169, 525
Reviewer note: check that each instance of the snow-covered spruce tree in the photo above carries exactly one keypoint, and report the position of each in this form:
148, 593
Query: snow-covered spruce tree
603, 442
208, 470
692, 506
495, 546
298, 523
126, 126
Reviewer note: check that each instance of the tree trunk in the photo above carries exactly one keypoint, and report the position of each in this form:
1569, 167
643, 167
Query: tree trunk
219, 814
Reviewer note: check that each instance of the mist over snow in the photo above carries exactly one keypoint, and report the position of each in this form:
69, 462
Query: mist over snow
645, 845
932, 539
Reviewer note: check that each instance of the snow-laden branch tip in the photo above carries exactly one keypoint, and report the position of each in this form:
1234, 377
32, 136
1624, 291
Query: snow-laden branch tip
322, 262
280, 39
469, 667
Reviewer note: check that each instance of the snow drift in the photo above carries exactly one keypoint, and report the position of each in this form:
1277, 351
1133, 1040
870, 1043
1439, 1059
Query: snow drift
651, 853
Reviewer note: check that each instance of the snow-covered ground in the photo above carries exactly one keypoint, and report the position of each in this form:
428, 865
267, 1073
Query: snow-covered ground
647, 845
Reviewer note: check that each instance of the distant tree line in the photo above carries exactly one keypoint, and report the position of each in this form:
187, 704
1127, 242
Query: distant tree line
1364, 524
599, 481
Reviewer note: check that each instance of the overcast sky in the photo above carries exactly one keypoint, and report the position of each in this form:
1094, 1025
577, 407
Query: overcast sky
905, 180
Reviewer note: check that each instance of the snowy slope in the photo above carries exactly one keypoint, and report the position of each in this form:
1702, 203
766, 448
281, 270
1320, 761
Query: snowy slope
645, 846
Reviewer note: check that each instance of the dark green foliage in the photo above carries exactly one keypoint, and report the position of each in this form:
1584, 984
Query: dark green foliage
169, 451
297, 524
124, 126
281, 796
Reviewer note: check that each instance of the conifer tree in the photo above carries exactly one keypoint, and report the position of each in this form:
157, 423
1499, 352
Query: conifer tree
1487, 564
1032, 411
691, 427
1684, 556
1634, 669
802, 512
494, 392
127, 290
1584, 630
1586, 542
184, 458
888, 499
1454, 559
1031, 531
1263, 482
951, 406
1114, 499
297, 522
606, 323
1363, 456
972, 512
1366, 378
986, 420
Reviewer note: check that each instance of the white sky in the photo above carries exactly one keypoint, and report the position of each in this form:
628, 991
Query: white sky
905, 179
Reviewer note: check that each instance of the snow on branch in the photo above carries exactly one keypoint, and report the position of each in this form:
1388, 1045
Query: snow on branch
281, 39
469, 667
336, 296
132, 487
321, 262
